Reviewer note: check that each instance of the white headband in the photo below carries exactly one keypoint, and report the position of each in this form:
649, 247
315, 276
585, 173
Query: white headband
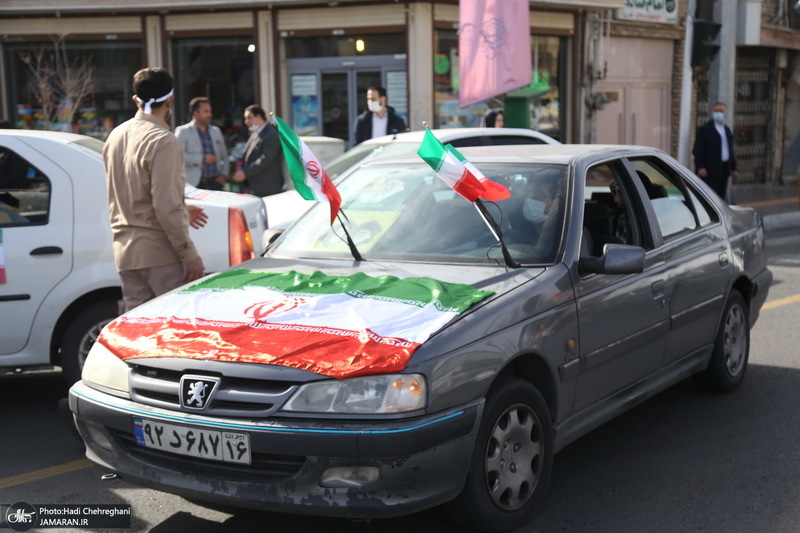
147, 109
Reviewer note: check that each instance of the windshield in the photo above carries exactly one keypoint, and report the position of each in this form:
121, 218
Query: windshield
409, 214
364, 153
90, 144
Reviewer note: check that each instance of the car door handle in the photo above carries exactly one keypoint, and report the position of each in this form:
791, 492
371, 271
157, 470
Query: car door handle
47, 250
658, 286
658, 291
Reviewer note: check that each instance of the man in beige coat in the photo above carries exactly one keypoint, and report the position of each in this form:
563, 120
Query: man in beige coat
149, 219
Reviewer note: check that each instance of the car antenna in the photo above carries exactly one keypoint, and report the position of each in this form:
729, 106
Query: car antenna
495, 229
353, 249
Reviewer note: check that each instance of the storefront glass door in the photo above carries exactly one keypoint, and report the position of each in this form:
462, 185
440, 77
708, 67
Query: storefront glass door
326, 100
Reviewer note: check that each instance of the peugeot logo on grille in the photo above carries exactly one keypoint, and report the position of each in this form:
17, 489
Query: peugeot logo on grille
196, 391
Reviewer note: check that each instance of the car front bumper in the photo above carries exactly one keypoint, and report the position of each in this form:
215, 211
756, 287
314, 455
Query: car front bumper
421, 463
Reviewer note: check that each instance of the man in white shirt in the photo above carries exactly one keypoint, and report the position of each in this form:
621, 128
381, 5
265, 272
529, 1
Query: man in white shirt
379, 119
713, 151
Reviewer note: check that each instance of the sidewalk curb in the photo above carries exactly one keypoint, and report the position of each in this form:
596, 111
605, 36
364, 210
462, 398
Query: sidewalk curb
781, 221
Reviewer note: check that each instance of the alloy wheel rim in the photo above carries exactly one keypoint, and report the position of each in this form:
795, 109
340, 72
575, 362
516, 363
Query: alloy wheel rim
88, 341
514, 457
735, 344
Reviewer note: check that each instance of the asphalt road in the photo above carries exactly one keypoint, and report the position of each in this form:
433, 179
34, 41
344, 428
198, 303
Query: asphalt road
685, 460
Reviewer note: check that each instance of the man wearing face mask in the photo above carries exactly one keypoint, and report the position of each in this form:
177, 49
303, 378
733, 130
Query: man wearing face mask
262, 164
379, 119
539, 209
713, 151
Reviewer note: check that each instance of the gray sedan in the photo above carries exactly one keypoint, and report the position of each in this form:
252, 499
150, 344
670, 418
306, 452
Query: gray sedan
427, 351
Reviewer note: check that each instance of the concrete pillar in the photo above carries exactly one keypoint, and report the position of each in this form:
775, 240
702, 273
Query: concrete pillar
722, 86
266, 62
154, 41
685, 125
420, 64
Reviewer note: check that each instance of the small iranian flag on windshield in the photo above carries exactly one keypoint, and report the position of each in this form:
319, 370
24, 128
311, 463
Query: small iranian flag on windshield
339, 326
308, 176
458, 173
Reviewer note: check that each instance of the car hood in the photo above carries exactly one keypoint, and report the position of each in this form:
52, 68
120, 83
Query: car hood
309, 315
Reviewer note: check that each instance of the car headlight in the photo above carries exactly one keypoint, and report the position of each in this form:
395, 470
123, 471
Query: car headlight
384, 394
105, 369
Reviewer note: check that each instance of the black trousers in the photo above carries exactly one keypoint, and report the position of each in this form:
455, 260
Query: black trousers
210, 183
720, 183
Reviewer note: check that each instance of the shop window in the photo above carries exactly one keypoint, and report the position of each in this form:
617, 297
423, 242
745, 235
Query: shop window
345, 45
543, 95
108, 103
24, 192
222, 70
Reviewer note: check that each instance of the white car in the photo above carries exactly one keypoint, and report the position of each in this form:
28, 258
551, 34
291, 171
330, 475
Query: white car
58, 283
286, 207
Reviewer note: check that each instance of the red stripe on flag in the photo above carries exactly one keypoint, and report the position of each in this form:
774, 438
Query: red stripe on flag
333, 352
469, 186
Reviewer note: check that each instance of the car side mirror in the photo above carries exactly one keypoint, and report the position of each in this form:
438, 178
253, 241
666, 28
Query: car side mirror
616, 259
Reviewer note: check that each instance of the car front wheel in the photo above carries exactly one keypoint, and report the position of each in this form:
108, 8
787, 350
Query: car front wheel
81, 333
511, 463
728, 363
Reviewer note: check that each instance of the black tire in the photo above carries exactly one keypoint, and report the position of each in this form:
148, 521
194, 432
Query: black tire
81, 333
728, 363
511, 463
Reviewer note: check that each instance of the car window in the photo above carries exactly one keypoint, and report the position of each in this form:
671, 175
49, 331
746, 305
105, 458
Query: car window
92, 145
608, 214
24, 191
477, 140
500, 140
364, 153
409, 213
351, 157
677, 208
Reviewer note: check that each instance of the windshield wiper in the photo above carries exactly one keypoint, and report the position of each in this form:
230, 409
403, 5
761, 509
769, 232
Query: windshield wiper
494, 227
350, 243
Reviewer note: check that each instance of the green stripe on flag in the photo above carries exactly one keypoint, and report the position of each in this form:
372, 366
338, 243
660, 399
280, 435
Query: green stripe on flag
417, 292
432, 151
293, 154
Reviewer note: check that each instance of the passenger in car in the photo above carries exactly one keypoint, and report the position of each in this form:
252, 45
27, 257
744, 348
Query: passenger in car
622, 227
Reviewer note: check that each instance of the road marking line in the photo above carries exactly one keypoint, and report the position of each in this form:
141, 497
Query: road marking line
783, 301
44, 473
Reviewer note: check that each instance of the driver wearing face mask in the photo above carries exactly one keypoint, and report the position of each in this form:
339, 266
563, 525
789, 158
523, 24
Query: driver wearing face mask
539, 203
379, 119
532, 220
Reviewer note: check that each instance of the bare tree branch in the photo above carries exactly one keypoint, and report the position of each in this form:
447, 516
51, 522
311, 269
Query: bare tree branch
59, 85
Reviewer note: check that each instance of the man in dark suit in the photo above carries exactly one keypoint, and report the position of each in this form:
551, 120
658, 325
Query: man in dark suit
379, 119
262, 164
713, 151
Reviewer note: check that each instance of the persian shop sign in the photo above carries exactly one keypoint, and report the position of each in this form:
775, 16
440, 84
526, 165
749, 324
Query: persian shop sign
661, 11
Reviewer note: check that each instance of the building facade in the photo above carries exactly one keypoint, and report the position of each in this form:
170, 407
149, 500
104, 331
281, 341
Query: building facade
308, 61
611, 71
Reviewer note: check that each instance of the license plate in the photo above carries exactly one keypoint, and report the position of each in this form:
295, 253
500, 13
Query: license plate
220, 445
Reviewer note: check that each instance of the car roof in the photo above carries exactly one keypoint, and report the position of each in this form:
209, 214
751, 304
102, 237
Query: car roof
562, 154
57, 136
446, 135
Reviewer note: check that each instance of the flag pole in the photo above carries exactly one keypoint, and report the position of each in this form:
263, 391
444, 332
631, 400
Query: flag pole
353, 250
495, 229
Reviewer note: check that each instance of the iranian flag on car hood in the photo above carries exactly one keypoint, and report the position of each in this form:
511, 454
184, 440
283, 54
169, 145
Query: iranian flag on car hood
339, 326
